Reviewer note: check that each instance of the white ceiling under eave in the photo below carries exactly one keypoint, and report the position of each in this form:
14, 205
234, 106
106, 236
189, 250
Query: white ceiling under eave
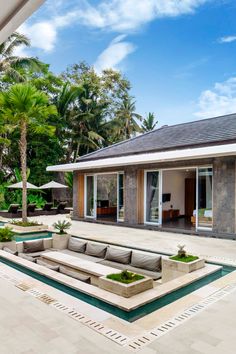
13, 13
148, 158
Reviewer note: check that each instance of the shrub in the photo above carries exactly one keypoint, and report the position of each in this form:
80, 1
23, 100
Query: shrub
25, 223
6, 234
61, 226
125, 277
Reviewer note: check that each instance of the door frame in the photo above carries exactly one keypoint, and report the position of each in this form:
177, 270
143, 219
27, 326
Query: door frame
159, 223
95, 176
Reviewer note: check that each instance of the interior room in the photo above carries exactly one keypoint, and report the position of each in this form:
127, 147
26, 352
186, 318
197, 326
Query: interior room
107, 197
178, 198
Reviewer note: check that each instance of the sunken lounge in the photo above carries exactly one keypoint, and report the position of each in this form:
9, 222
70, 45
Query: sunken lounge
179, 177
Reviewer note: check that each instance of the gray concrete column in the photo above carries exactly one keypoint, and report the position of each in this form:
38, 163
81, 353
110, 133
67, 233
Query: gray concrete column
130, 188
75, 195
224, 195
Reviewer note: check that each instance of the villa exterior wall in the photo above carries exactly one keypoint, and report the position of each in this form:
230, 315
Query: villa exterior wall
224, 191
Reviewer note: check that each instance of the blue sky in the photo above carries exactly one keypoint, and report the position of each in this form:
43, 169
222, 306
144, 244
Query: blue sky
180, 55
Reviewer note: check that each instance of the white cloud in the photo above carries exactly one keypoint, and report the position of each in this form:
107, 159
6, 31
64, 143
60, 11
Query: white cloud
111, 57
227, 39
122, 16
221, 99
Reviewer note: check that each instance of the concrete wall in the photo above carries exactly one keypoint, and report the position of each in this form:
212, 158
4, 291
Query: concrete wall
131, 200
224, 195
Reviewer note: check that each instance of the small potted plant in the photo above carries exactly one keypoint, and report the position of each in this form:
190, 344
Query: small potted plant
6, 238
180, 264
60, 239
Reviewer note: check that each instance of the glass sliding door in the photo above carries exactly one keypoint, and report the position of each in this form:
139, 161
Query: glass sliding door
152, 197
120, 197
204, 197
90, 197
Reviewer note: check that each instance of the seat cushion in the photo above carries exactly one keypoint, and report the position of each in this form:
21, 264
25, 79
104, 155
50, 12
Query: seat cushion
96, 250
6, 249
84, 256
76, 245
27, 257
50, 266
74, 274
118, 255
146, 261
33, 246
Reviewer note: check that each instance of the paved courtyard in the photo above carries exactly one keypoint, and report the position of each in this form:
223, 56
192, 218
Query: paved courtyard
30, 326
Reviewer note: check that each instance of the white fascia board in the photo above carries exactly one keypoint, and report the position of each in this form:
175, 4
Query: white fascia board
165, 156
13, 13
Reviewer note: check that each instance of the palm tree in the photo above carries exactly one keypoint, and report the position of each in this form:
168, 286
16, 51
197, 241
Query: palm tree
24, 107
149, 123
127, 119
12, 65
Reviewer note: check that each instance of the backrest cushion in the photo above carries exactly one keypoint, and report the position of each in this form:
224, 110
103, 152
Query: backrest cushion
49, 266
146, 261
74, 274
33, 246
96, 249
76, 245
118, 255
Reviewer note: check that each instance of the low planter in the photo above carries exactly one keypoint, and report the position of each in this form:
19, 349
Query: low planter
125, 290
9, 244
25, 229
60, 241
172, 269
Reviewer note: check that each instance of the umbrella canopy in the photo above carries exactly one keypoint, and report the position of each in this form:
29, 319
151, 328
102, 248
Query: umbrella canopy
20, 185
52, 185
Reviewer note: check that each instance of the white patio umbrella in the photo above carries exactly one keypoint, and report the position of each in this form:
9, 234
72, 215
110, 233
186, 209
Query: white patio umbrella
53, 185
19, 185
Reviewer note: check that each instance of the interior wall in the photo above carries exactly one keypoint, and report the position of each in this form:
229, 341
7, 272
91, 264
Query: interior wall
173, 182
107, 188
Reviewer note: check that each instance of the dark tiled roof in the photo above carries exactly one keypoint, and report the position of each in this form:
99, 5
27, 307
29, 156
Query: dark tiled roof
198, 133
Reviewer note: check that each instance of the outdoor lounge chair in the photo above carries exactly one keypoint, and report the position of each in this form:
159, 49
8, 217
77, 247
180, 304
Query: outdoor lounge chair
47, 206
31, 209
61, 208
12, 211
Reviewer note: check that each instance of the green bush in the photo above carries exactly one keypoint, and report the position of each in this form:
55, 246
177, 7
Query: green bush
188, 258
61, 226
25, 223
125, 277
6, 234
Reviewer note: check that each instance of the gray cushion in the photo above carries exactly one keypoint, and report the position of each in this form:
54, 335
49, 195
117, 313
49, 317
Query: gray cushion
146, 261
6, 249
96, 249
149, 273
118, 255
50, 266
33, 246
27, 257
75, 275
76, 245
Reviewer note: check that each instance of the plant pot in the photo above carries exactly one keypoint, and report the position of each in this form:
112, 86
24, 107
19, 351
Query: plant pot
60, 241
125, 290
9, 244
172, 269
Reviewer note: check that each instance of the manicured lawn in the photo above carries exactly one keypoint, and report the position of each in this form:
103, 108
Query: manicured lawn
186, 259
125, 277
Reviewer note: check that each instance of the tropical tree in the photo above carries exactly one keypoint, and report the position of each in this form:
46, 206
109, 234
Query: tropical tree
128, 119
26, 108
12, 66
149, 123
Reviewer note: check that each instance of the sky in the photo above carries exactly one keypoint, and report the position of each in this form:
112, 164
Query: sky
179, 55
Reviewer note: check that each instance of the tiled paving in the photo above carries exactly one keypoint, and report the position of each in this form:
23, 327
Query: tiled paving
208, 324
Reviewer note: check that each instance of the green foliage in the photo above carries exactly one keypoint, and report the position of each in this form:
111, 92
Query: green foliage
6, 234
125, 277
186, 259
36, 199
25, 223
62, 226
69, 179
149, 123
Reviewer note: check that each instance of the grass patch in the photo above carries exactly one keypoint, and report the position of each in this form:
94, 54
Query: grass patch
125, 277
185, 259
25, 223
